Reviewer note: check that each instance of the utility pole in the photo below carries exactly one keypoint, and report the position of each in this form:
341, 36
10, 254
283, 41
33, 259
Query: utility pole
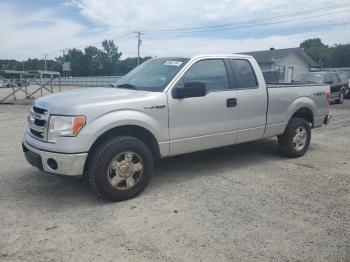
63, 60
45, 56
139, 42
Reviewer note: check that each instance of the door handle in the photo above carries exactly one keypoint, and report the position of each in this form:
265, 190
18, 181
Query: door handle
231, 102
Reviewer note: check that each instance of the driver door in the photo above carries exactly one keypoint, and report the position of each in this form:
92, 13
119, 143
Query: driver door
197, 123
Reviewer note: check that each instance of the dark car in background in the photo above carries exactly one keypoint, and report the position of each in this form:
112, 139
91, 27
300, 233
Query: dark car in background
345, 79
338, 89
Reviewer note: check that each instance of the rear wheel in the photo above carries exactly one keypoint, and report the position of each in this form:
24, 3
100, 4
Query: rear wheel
120, 168
341, 98
296, 139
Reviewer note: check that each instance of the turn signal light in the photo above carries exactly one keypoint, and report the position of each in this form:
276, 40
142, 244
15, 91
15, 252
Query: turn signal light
79, 122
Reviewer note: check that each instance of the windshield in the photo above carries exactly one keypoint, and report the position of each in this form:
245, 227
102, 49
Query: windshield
152, 75
310, 78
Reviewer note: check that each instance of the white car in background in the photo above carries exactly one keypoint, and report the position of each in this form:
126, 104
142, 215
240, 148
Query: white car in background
2, 83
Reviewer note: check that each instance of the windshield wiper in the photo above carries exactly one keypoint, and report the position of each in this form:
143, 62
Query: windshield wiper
128, 86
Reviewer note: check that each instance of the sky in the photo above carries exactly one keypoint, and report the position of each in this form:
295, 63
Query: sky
32, 28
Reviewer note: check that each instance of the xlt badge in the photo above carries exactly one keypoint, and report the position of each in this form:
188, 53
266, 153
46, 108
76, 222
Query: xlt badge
155, 107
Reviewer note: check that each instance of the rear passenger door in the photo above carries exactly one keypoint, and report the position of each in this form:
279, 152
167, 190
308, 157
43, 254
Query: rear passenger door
251, 101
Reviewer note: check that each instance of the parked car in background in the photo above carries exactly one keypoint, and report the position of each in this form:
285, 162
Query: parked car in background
338, 89
2, 83
271, 77
345, 79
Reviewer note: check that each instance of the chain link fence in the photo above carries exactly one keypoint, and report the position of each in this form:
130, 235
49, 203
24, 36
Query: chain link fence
87, 81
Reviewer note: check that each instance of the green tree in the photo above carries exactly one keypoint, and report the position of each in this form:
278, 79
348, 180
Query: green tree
318, 51
340, 56
110, 57
76, 58
312, 43
92, 61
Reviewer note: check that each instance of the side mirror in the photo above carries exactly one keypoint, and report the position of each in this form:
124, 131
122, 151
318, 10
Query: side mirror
190, 89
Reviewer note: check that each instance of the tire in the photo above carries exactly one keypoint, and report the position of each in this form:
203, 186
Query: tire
290, 148
109, 169
341, 98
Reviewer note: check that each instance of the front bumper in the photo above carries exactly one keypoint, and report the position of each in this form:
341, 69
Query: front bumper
57, 163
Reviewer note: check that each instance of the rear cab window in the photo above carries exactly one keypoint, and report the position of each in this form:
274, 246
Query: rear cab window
244, 74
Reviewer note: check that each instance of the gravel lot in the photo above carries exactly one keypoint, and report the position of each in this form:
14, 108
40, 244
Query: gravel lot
240, 203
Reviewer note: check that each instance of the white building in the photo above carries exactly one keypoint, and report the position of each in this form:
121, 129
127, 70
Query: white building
289, 62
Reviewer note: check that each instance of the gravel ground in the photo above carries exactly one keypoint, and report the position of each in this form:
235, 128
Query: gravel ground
240, 203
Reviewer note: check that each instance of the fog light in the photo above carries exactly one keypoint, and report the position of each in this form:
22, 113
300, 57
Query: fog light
52, 164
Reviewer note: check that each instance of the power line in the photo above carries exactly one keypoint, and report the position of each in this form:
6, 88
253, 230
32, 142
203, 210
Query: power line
161, 36
249, 23
296, 16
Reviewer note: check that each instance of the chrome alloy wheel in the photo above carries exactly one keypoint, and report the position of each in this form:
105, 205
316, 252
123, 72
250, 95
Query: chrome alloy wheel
125, 170
299, 138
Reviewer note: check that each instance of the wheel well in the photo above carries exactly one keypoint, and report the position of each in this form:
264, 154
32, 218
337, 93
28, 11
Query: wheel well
131, 130
305, 113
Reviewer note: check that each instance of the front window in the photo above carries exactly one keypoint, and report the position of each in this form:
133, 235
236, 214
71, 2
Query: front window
211, 71
310, 78
153, 75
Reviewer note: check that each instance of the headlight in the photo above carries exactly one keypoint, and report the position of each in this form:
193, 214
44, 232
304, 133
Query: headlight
64, 126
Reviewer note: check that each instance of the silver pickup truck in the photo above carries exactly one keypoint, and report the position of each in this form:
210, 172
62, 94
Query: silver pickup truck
167, 107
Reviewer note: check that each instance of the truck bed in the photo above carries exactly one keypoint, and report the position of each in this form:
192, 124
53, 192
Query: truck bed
285, 98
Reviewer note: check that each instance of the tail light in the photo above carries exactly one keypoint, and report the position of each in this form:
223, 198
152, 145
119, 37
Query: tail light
328, 97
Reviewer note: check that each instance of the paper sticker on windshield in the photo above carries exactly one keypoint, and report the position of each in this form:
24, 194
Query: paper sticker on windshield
173, 63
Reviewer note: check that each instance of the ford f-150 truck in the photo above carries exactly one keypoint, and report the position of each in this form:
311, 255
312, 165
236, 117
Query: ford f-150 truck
167, 107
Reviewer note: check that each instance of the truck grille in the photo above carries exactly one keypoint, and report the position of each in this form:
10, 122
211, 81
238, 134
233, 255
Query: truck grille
38, 120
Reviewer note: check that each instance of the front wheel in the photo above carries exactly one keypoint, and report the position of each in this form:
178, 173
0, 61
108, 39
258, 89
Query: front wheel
120, 168
296, 138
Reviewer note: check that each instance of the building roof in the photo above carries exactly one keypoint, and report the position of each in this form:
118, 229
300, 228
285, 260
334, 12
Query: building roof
269, 56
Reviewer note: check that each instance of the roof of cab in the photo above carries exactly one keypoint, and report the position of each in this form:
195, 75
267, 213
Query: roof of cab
220, 56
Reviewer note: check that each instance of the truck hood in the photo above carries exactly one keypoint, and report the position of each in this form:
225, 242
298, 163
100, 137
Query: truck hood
87, 97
